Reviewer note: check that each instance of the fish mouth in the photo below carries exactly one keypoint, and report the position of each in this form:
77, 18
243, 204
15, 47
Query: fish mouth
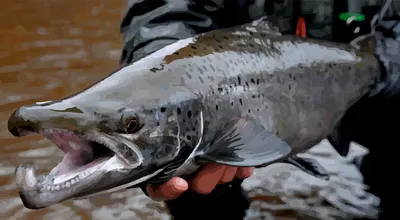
88, 159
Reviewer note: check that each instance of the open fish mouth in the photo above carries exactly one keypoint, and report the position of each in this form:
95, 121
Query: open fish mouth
86, 161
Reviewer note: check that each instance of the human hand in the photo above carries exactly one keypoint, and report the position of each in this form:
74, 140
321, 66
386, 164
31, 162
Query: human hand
204, 182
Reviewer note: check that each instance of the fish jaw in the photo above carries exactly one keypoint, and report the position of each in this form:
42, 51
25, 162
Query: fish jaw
93, 162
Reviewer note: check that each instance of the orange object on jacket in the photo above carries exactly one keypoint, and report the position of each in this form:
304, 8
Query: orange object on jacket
301, 27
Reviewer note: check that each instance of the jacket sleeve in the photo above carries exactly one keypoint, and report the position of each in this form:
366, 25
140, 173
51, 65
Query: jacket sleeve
149, 25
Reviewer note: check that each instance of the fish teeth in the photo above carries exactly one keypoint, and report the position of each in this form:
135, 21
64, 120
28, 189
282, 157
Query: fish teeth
84, 174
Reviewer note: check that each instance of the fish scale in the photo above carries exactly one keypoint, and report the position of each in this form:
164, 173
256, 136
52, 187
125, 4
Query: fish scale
315, 76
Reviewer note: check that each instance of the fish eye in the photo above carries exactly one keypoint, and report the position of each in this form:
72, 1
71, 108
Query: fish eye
132, 125
130, 122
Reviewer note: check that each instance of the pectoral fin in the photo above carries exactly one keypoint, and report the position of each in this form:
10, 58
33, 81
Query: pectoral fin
310, 166
244, 143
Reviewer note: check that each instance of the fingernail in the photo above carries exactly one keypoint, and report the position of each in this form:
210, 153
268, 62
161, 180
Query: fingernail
181, 184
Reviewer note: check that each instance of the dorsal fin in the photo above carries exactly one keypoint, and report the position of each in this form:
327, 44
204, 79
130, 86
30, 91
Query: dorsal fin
262, 25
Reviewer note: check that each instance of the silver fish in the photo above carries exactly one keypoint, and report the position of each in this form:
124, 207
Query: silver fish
243, 96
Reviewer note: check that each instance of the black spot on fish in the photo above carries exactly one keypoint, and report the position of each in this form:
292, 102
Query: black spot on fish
290, 87
258, 109
188, 75
239, 80
249, 110
247, 84
251, 45
189, 137
201, 79
231, 103
240, 100
162, 109
216, 107
193, 47
189, 114
252, 81
200, 70
258, 81
220, 46
259, 96
290, 75
212, 67
220, 89
253, 96
205, 68
183, 121
158, 123
176, 53
178, 111
196, 113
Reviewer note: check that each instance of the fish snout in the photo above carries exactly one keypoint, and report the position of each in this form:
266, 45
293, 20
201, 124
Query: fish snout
37, 118
18, 125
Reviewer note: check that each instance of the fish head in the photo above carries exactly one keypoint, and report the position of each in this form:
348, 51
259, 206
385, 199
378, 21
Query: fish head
109, 144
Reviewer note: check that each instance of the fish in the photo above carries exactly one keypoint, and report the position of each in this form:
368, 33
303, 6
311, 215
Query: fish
246, 96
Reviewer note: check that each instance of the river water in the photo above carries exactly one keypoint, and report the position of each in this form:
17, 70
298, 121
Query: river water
50, 49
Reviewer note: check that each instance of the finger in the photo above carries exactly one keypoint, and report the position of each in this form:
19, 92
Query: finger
169, 190
208, 177
244, 172
228, 175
